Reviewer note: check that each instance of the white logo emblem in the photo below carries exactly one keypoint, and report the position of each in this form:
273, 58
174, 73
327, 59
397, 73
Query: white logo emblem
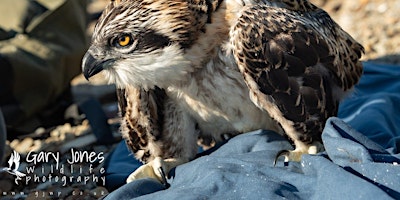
13, 165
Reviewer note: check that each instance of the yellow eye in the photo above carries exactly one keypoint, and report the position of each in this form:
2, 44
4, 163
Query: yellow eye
124, 40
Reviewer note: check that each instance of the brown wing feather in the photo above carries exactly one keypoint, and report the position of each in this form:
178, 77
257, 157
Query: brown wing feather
142, 113
294, 64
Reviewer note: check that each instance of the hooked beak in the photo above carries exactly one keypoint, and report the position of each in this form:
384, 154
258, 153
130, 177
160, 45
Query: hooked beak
92, 66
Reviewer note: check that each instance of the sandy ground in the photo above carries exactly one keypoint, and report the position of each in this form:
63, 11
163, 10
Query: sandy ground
374, 23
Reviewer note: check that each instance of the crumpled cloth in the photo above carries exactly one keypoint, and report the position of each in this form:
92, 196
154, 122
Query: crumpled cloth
361, 158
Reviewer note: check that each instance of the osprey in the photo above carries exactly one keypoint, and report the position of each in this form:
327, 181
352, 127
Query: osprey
189, 69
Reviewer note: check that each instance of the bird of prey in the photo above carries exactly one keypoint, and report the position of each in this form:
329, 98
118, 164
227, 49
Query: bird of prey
189, 69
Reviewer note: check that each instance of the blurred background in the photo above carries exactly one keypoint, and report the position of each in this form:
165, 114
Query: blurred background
373, 23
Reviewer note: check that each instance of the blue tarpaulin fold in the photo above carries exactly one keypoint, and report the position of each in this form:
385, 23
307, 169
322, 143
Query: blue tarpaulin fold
361, 158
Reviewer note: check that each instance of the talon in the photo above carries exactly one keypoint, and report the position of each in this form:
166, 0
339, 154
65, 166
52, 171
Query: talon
157, 169
164, 179
301, 149
284, 153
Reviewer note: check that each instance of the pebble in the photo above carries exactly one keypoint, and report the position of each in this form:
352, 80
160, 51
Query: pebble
24, 146
37, 146
14, 143
98, 192
374, 24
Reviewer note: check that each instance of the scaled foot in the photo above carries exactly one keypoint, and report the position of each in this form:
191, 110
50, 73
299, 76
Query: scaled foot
157, 169
295, 155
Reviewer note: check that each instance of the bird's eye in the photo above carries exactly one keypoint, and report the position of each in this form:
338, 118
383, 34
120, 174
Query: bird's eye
123, 41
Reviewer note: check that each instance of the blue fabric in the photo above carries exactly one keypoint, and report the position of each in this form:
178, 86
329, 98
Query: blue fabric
360, 161
373, 109
136, 189
118, 166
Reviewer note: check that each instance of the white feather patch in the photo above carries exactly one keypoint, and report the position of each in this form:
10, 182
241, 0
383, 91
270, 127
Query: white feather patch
165, 67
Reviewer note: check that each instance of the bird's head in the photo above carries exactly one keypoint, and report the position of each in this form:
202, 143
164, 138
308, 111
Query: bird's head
145, 43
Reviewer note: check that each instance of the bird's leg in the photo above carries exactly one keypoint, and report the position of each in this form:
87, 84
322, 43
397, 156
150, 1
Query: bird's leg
175, 146
301, 148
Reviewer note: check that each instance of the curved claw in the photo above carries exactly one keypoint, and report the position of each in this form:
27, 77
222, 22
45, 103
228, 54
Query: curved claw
284, 153
164, 179
157, 169
300, 150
